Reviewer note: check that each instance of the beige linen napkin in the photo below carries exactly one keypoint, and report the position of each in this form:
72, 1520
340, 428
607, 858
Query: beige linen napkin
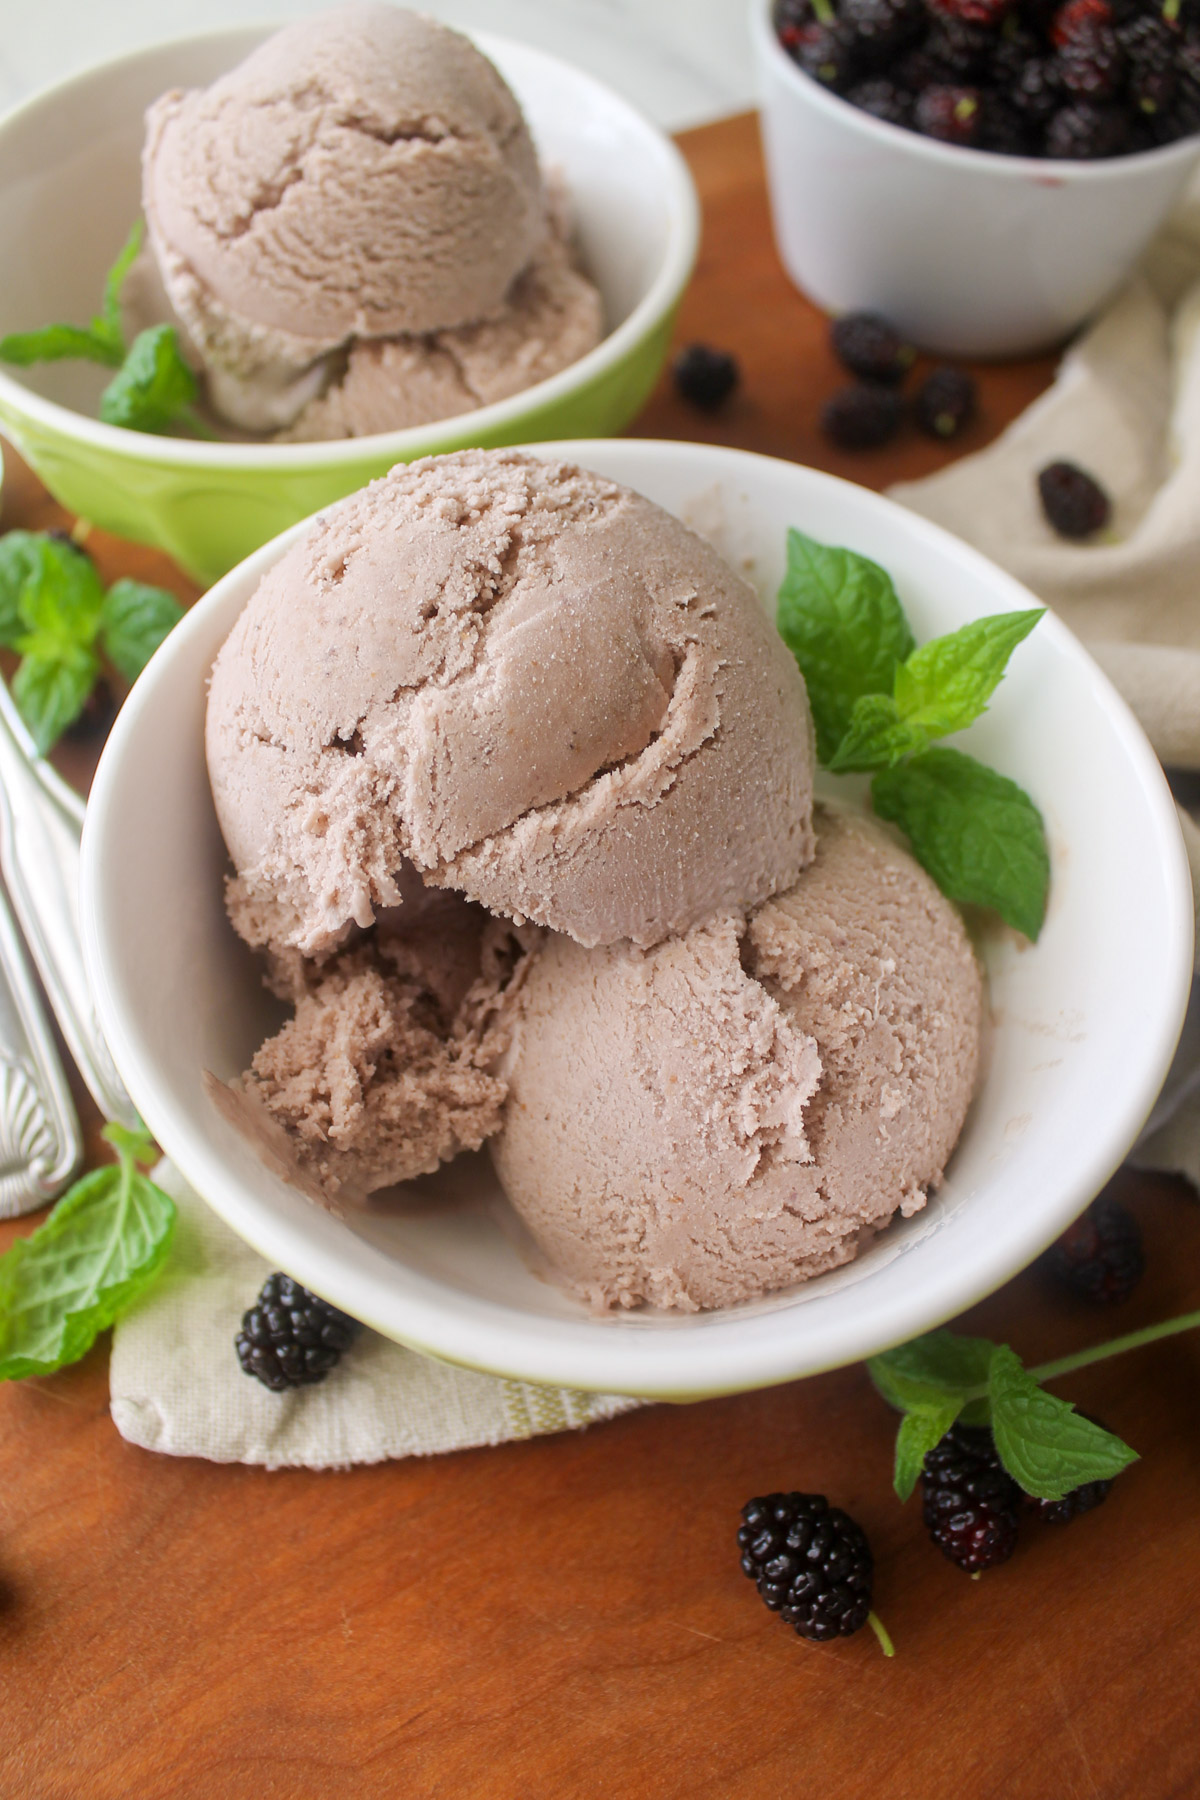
176, 1384
1126, 407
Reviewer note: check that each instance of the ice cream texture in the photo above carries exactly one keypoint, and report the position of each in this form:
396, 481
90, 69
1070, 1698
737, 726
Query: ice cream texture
744, 1105
524, 682
364, 176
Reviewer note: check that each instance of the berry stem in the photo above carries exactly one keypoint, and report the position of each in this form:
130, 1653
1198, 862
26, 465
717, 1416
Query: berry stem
881, 1632
824, 11
1132, 1340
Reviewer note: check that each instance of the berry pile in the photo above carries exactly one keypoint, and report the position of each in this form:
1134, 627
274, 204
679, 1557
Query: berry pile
871, 411
1100, 1256
1083, 79
973, 1506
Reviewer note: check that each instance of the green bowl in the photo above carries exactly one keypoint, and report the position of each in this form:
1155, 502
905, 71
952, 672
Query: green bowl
71, 155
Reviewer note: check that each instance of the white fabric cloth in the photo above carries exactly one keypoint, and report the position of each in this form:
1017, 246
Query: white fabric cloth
1126, 407
176, 1384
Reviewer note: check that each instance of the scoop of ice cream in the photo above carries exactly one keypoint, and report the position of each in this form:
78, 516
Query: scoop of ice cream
527, 681
386, 1068
364, 172
552, 317
745, 1105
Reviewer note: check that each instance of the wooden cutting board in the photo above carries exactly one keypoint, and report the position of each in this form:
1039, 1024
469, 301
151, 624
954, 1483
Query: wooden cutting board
566, 1617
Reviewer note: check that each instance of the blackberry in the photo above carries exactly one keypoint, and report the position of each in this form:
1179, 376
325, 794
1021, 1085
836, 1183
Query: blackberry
1073, 501
289, 1337
1100, 1256
828, 53
945, 402
1086, 131
1004, 130
971, 1502
883, 27
810, 1561
1185, 115
705, 376
1079, 1500
792, 15
986, 13
1036, 92
1091, 63
870, 346
883, 99
951, 114
1150, 44
964, 51
862, 417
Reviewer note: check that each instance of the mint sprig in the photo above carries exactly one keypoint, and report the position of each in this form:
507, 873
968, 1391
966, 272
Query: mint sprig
880, 704
101, 1247
154, 387
1042, 1441
55, 612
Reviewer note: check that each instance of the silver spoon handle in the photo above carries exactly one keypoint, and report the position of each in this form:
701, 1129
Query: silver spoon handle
40, 822
40, 1141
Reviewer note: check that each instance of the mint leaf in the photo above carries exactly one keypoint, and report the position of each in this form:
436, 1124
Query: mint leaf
134, 620
838, 614
55, 343
920, 1429
876, 736
947, 683
153, 386
1042, 1441
931, 1368
52, 691
975, 832
60, 599
108, 321
21, 556
100, 1248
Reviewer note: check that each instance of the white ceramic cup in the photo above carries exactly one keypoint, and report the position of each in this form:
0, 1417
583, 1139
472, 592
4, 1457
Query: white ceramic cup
969, 252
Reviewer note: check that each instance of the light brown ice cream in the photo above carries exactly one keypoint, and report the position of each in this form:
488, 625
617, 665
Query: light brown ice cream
530, 683
743, 1106
386, 1068
552, 317
364, 171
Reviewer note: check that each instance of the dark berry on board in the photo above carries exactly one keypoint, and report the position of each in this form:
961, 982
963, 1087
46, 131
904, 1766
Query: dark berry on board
971, 1502
951, 114
1100, 1256
945, 402
1073, 501
290, 1337
883, 99
1036, 90
1092, 64
810, 1561
862, 417
1079, 1500
869, 345
705, 376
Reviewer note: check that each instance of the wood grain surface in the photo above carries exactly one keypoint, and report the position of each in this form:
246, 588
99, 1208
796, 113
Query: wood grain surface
566, 1617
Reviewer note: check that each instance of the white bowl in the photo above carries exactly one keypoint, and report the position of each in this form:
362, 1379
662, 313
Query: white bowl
70, 189
1084, 1023
970, 253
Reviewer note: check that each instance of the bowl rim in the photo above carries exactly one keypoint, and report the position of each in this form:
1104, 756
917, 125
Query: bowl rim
678, 256
580, 1353
1042, 171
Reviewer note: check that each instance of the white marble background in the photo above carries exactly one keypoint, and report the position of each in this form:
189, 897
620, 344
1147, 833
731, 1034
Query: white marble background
681, 61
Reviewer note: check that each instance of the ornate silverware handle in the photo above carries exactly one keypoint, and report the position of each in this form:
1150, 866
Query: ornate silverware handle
40, 823
40, 1141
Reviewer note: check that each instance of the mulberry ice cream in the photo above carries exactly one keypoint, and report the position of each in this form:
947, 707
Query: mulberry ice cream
747, 1104
364, 177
